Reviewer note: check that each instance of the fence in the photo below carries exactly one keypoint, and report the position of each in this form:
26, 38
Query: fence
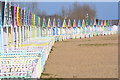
27, 39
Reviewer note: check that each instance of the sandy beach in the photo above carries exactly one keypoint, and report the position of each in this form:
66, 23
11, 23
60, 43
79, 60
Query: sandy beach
95, 57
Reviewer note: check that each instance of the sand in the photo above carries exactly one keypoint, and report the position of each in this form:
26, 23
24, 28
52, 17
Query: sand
95, 57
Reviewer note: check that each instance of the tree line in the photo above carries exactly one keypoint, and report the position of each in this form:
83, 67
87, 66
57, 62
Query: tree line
74, 11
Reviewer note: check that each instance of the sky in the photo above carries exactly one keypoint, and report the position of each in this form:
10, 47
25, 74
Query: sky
104, 10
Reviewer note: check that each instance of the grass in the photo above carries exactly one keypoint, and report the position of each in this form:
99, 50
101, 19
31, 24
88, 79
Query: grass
53, 46
110, 38
46, 74
104, 44
85, 40
66, 41
77, 41
49, 77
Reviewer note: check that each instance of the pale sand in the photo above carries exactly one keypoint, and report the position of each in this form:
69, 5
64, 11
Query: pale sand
95, 57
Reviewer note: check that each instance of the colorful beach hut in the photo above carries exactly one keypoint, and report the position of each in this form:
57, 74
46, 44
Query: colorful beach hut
44, 28
49, 25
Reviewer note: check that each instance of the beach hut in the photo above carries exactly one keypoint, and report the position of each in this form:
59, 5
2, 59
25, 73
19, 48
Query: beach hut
21, 22
44, 29
54, 27
95, 27
28, 24
102, 27
59, 29
87, 28
98, 27
23, 25
36, 27
79, 25
7, 24
10, 27
69, 28
83, 29
59, 26
49, 25
91, 28
79, 28
64, 25
39, 26
27, 27
32, 25
108, 27
105, 27
83, 23
64, 28
111, 27
1, 27
74, 27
